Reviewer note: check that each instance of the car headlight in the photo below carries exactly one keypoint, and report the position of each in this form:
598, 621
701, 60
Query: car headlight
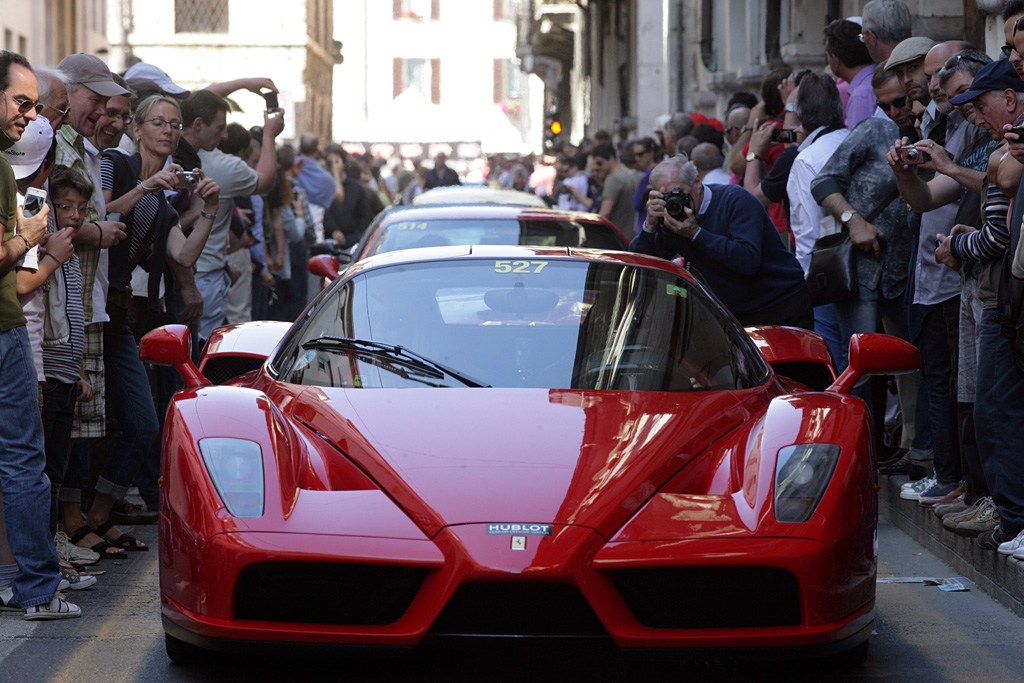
802, 474
236, 467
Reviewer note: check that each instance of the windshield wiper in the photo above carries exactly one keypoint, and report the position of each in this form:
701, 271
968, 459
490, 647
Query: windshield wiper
394, 351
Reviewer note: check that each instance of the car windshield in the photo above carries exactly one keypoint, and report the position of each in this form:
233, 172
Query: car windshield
546, 323
411, 234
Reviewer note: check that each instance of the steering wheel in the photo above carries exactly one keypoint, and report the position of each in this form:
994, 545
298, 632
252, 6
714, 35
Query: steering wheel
637, 366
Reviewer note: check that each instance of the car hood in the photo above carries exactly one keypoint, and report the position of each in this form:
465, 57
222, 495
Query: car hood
460, 456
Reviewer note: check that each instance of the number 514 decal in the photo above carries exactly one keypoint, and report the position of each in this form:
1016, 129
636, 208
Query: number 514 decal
519, 266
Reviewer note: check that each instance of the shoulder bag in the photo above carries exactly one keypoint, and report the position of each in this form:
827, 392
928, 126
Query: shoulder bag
832, 275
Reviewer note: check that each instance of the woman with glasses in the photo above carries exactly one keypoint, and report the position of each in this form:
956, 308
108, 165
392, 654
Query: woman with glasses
136, 186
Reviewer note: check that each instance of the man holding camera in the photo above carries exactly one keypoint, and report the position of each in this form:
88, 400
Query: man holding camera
205, 125
727, 235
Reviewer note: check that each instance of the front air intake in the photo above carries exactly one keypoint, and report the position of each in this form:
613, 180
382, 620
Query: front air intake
326, 593
710, 597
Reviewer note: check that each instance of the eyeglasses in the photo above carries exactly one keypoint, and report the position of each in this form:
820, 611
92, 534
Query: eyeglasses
898, 103
25, 106
160, 123
125, 118
863, 34
955, 60
63, 112
72, 210
1006, 50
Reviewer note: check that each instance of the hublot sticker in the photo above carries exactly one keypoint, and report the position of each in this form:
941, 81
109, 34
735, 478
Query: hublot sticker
505, 529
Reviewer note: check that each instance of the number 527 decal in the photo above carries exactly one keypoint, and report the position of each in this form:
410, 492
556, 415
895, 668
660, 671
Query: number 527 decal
519, 266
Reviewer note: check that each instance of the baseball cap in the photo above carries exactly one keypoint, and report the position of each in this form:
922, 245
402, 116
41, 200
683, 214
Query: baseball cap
998, 75
27, 154
659, 123
158, 76
908, 50
90, 71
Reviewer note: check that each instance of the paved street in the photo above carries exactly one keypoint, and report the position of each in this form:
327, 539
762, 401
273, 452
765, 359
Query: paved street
922, 634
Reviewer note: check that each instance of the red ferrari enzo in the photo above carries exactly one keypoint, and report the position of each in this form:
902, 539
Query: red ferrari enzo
518, 441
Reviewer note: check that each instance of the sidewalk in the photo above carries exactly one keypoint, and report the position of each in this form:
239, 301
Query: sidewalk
1000, 576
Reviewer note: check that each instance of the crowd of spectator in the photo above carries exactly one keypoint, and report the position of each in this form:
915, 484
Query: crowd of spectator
914, 148
128, 202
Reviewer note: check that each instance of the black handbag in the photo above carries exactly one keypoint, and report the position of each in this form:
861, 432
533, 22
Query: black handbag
832, 275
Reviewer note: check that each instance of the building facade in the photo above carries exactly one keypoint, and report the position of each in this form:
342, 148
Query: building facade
423, 73
619, 64
198, 42
47, 31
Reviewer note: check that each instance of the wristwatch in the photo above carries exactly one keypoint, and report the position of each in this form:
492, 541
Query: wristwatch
751, 156
791, 107
846, 216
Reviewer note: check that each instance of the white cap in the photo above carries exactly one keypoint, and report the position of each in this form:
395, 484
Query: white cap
27, 154
157, 75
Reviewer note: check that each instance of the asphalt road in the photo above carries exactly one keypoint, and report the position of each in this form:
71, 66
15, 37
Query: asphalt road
921, 634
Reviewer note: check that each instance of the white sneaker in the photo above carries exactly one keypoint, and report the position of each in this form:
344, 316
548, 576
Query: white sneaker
58, 608
7, 601
1012, 546
69, 552
919, 487
915, 484
77, 582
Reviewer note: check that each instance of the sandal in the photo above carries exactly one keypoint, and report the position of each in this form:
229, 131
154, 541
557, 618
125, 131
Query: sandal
105, 549
124, 541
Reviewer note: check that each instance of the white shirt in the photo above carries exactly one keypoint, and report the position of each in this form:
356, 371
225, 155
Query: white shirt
716, 177
804, 213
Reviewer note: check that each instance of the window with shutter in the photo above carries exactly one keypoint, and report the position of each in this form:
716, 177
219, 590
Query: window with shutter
200, 16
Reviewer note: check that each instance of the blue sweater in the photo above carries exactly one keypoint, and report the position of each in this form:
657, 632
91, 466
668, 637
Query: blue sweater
738, 251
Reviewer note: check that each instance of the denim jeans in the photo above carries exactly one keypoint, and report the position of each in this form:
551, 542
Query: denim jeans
214, 288
130, 401
936, 368
999, 422
58, 417
826, 323
26, 488
864, 314
296, 289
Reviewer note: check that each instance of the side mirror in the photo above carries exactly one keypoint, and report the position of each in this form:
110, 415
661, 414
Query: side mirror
325, 266
172, 345
876, 354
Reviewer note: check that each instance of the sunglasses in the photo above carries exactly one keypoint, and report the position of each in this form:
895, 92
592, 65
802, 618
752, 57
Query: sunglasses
25, 106
898, 103
1006, 50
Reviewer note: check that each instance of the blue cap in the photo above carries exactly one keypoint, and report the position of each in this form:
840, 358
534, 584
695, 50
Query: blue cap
999, 75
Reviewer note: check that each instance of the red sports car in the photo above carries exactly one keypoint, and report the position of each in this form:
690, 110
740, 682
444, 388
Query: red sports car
513, 441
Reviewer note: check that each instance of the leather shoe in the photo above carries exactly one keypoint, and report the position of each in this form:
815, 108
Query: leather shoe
901, 466
129, 514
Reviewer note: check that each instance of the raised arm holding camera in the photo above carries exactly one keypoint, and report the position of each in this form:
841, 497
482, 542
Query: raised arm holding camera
726, 234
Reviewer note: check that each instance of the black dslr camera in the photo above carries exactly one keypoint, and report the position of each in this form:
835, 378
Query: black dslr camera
675, 201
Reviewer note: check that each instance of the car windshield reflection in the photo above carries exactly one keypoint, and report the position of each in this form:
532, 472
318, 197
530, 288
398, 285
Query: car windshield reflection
540, 323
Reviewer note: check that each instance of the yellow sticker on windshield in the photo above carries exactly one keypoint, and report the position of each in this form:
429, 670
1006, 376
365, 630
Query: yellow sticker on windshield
519, 266
675, 290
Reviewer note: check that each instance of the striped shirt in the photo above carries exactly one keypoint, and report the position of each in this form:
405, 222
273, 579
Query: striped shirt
140, 220
62, 362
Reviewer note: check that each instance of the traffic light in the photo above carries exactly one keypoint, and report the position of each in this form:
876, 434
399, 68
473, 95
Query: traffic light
552, 132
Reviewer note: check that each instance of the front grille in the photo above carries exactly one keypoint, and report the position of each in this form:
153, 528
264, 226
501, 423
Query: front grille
710, 597
221, 369
326, 593
518, 609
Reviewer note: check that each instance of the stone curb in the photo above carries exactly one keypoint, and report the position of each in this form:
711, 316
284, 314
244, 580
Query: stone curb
1000, 576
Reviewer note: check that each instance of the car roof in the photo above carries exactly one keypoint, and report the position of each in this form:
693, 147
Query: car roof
464, 194
512, 252
489, 211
